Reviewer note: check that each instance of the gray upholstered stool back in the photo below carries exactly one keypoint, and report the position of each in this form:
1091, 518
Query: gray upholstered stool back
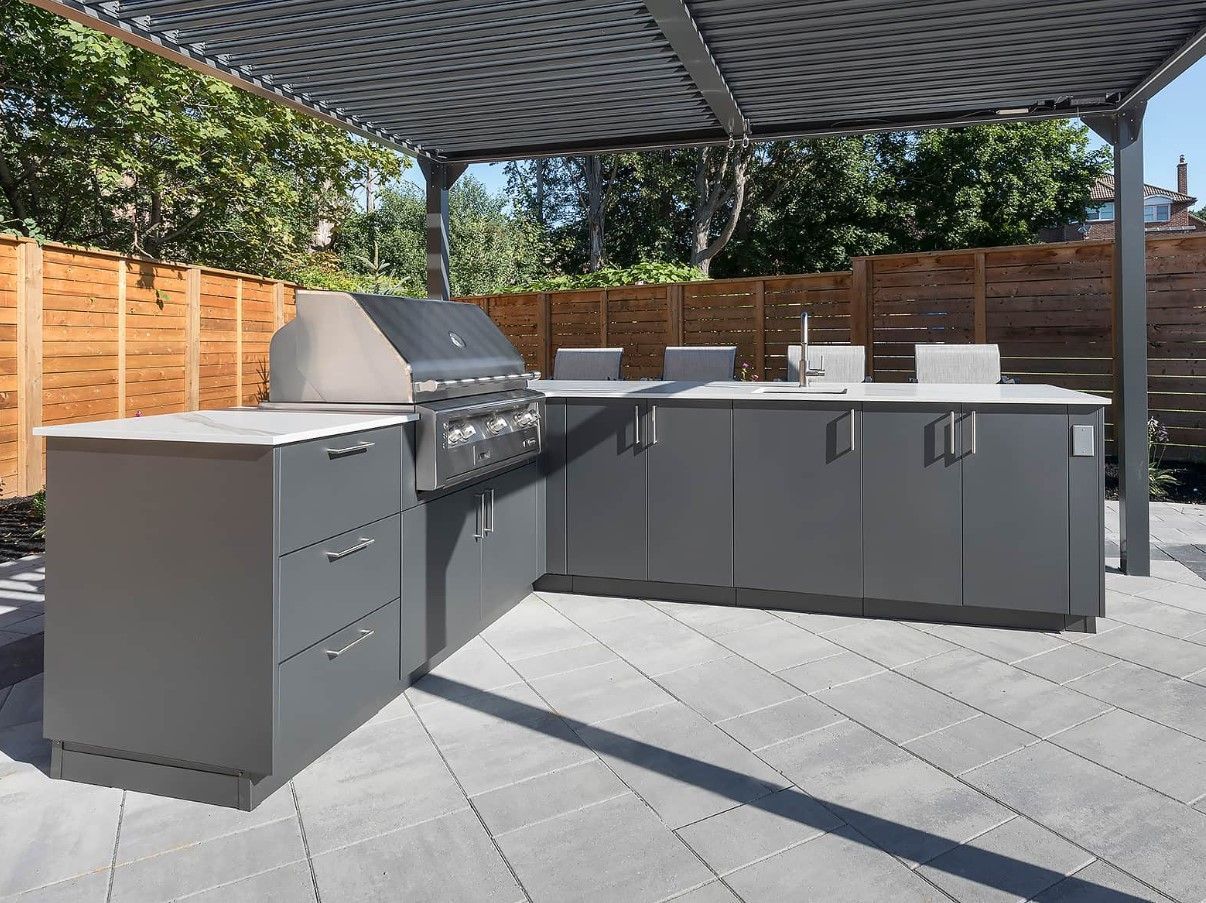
841, 363
587, 363
699, 363
958, 363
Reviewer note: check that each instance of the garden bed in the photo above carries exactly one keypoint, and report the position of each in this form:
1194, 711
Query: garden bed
20, 528
1190, 486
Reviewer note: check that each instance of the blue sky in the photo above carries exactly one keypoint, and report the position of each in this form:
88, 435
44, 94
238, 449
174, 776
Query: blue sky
1174, 126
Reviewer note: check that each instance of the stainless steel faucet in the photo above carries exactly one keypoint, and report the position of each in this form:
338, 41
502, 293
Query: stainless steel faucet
805, 373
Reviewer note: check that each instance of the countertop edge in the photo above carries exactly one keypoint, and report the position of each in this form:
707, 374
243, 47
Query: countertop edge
100, 430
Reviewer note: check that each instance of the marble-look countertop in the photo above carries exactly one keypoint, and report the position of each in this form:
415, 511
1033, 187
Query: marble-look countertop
236, 426
890, 393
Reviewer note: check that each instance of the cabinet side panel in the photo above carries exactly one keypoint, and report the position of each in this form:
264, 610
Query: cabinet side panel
553, 468
159, 622
1086, 513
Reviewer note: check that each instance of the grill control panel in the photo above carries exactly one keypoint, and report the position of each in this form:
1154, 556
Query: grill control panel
463, 439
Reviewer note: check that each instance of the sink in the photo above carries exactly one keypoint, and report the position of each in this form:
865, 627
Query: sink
802, 390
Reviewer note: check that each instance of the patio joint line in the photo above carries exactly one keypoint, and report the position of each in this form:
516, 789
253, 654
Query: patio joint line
939, 730
477, 814
551, 818
203, 841
205, 890
800, 694
121, 811
812, 730
301, 826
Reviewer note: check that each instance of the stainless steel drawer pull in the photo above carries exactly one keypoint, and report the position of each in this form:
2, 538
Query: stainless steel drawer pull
489, 524
637, 411
653, 417
480, 532
852, 446
358, 449
362, 544
973, 450
364, 635
951, 440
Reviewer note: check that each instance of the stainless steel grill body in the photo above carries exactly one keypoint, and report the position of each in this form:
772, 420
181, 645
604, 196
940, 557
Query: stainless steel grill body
444, 360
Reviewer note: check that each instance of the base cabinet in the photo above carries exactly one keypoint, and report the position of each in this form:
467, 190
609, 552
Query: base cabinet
467, 558
797, 490
912, 504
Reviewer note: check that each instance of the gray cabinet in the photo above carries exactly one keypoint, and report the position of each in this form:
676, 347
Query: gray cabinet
797, 490
510, 548
689, 461
467, 557
1015, 507
606, 489
912, 504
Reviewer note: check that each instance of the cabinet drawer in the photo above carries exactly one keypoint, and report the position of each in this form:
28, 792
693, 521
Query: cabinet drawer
327, 585
334, 686
332, 485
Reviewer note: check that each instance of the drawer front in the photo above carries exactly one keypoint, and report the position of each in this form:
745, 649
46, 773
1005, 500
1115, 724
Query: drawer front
334, 582
335, 686
333, 485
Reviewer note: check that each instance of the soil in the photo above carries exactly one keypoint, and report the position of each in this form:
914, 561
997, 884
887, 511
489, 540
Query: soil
1190, 487
19, 528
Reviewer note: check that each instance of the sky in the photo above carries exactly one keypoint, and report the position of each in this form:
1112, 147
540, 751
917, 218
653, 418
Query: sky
1174, 125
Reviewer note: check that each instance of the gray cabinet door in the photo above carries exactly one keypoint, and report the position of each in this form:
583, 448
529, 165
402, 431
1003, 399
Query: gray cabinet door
510, 548
441, 576
689, 459
1015, 508
912, 504
605, 490
797, 492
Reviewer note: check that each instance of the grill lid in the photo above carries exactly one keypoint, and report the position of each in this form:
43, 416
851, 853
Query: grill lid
442, 340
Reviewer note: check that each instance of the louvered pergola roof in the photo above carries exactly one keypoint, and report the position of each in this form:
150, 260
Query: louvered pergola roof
473, 80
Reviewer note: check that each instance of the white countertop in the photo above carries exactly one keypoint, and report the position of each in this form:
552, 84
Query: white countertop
237, 426
901, 393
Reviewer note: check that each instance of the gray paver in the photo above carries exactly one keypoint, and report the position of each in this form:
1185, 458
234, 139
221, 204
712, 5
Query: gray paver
1152, 837
91, 888
616, 850
533, 628
1014, 861
727, 688
736, 838
562, 661
890, 643
713, 892
291, 883
547, 796
1158, 616
777, 645
898, 708
1068, 662
1150, 753
715, 620
969, 744
830, 672
659, 644
1152, 650
1176, 703
602, 691
998, 643
780, 722
1099, 883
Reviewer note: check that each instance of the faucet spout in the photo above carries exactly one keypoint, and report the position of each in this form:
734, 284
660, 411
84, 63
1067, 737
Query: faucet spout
805, 372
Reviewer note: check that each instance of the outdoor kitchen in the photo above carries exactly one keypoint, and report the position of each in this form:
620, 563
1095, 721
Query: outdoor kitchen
263, 581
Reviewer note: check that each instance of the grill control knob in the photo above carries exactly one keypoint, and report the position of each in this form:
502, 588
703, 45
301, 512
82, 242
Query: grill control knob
454, 436
468, 431
496, 424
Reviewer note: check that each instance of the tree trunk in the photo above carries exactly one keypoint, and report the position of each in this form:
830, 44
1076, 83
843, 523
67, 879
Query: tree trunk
542, 166
720, 182
593, 168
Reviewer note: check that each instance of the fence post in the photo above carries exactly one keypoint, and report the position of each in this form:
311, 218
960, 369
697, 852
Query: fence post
544, 333
30, 475
760, 328
603, 319
278, 305
980, 299
192, 340
239, 340
123, 275
862, 324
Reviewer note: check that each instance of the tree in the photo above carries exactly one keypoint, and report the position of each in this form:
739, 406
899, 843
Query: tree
104, 144
720, 180
490, 247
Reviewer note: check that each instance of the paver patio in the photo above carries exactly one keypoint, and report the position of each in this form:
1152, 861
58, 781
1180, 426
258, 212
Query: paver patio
605, 749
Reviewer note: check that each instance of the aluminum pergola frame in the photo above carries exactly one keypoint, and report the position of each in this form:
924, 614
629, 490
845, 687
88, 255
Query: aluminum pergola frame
458, 81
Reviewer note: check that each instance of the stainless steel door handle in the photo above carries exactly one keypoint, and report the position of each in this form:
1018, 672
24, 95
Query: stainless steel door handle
637, 411
852, 445
653, 426
358, 449
362, 544
364, 635
951, 441
973, 431
480, 531
489, 525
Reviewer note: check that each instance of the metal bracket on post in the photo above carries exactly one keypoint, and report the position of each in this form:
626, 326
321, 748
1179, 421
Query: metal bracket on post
1130, 410
440, 178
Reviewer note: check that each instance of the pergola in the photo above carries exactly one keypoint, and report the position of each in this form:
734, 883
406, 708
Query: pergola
453, 82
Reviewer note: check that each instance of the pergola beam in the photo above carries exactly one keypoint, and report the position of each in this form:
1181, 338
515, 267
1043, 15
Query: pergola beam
1125, 132
676, 23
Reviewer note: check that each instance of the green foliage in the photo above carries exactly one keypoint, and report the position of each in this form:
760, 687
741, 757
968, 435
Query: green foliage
1161, 480
644, 273
490, 245
103, 144
38, 503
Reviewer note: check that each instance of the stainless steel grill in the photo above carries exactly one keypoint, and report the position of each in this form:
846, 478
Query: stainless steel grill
444, 360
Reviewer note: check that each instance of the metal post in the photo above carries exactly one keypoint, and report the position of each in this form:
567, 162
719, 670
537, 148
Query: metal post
440, 178
1125, 132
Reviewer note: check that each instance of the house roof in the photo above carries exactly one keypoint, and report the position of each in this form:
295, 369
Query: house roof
471, 80
1103, 190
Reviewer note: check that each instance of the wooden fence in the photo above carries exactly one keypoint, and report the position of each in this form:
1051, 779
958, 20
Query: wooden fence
1047, 306
90, 335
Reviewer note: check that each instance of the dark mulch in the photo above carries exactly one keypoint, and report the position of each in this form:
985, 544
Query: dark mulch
1190, 487
18, 525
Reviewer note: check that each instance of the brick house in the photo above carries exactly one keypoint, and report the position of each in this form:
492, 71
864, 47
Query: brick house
1164, 211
